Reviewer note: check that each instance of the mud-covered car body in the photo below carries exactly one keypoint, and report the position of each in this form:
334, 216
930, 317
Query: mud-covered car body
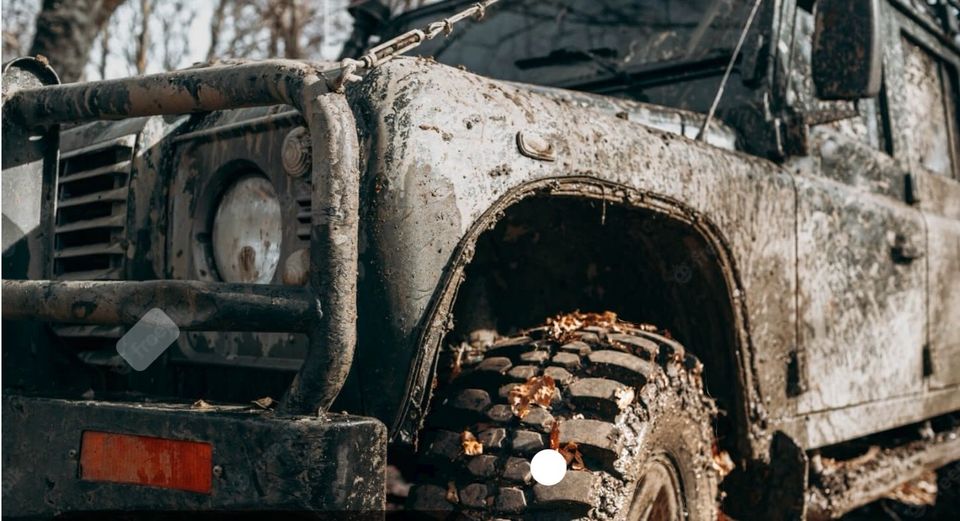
807, 251
810, 250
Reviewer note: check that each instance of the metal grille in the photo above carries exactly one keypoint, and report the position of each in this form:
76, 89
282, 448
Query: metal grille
91, 211
90, 228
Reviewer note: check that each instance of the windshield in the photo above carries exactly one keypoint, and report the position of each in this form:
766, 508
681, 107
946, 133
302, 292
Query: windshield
588, 44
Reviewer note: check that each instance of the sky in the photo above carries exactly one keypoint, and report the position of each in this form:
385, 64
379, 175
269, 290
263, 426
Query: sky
200, 32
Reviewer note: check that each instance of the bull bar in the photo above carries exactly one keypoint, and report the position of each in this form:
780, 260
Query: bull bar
326, 309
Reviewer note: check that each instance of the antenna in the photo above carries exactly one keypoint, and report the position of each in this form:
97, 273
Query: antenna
726, 74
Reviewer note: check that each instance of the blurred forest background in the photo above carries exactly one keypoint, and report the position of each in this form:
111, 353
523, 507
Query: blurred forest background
103, 39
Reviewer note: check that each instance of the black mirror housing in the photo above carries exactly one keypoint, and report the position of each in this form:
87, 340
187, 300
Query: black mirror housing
847, 52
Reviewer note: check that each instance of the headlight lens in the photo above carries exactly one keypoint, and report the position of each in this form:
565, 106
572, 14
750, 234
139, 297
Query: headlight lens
247, 231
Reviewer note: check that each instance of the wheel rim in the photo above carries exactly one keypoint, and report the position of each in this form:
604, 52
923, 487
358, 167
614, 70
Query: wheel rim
658, 496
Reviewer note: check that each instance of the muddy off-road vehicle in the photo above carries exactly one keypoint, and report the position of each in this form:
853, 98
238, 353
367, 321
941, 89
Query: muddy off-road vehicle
532, 236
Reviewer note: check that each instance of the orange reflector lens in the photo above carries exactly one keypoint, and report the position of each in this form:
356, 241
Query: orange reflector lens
142, 460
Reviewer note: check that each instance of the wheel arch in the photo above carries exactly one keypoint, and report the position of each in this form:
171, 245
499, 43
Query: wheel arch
681, 240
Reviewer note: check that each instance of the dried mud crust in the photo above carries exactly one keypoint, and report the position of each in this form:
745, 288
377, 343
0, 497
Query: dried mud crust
621, 396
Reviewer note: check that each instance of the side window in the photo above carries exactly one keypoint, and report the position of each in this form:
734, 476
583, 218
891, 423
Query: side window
931, 120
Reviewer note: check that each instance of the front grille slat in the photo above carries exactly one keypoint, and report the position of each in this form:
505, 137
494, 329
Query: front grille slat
120, 142
118, 195
88, 331
119, 168
113, 221
93, 249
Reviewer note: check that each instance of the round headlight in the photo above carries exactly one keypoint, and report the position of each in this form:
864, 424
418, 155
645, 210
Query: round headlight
247, 231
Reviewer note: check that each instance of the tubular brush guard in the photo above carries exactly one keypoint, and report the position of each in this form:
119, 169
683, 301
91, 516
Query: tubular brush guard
327, 310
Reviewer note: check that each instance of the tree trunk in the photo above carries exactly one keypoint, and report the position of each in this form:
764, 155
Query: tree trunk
66, 30
143, 39
291, 44
104, 51
216, 26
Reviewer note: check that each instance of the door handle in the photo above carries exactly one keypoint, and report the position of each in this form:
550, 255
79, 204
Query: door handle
904, 250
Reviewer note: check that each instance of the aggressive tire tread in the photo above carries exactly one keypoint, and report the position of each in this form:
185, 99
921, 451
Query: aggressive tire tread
610, 383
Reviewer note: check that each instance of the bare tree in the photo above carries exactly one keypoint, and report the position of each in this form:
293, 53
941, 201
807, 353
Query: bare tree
66, 31
112, 37
296, 12
174, 33
216, 28
242, 31
104, 51
298, 29
143, 38
18, 19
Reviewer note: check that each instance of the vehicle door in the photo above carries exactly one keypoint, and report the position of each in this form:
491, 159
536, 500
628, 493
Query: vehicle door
861, 279
927, 123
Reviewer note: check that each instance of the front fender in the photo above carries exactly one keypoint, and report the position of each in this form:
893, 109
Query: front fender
443, 161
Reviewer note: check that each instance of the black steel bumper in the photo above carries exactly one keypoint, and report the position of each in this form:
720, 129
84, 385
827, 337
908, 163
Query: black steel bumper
333, 465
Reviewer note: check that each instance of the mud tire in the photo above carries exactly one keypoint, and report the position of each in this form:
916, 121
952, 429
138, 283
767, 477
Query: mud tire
665, 430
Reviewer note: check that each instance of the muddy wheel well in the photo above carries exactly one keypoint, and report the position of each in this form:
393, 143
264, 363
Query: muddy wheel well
549, 255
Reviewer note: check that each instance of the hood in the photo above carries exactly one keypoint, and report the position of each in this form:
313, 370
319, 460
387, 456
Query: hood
676, 121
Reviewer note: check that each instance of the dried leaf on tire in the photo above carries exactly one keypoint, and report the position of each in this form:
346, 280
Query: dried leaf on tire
471, 447
555, 435
538, 390
571, 453
560, 326
722, 462
265, 403
543, 391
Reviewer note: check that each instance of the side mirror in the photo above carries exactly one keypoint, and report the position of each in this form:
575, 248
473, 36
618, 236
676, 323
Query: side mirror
847, 51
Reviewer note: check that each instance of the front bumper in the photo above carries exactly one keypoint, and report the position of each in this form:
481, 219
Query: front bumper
260, 462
